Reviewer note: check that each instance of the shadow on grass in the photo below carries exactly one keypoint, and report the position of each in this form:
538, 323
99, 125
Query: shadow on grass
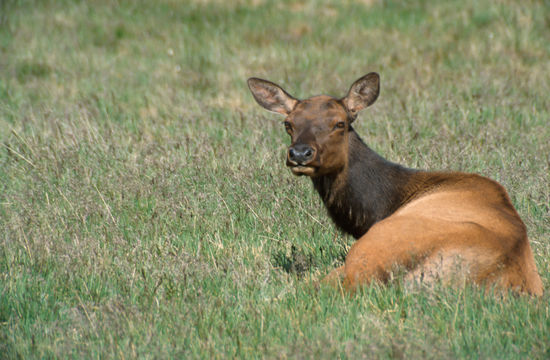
300, 262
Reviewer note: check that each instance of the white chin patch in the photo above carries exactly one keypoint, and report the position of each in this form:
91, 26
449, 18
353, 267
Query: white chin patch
303, 170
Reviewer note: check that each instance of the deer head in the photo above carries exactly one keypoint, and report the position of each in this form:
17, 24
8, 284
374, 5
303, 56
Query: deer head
319, 126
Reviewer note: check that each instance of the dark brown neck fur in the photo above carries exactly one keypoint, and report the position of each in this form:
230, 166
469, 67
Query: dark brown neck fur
366, 191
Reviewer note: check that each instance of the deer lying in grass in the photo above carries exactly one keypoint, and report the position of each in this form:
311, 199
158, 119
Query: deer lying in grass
436, 225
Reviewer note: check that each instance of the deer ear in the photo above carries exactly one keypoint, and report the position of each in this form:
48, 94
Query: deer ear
362, 93
271, 96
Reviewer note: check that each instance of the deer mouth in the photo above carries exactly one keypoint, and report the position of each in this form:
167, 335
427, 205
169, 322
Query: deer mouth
300, 170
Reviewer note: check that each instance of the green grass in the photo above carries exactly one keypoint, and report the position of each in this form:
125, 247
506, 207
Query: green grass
145, 209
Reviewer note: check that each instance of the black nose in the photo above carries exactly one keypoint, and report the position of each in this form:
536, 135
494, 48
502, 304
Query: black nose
300, 153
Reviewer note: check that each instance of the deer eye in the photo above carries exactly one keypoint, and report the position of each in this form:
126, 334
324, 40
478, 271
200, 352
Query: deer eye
288, 127
340, 125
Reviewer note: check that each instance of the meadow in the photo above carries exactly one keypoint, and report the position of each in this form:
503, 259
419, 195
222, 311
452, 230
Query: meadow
145, 208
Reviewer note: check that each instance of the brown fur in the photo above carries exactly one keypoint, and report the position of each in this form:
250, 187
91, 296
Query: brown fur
436, 225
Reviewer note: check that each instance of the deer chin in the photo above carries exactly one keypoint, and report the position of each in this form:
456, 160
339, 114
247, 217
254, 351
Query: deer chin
300, 170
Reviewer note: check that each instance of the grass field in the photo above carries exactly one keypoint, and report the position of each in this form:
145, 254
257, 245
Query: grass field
145, 209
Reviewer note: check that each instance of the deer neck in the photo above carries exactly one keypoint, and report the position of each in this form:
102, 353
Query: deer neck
365, 191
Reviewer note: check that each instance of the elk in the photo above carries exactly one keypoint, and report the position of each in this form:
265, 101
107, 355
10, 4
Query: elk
435, 225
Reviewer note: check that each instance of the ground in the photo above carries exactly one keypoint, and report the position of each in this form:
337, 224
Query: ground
145, 209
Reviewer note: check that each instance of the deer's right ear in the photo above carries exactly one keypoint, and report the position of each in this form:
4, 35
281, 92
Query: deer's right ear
271, 96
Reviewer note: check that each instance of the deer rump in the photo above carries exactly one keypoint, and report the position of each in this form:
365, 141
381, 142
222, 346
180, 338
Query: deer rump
435, 225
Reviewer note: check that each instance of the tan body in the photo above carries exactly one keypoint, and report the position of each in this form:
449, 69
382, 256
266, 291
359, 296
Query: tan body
464, 228
437, 226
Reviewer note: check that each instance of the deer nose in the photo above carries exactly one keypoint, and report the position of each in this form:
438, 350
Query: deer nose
301, 154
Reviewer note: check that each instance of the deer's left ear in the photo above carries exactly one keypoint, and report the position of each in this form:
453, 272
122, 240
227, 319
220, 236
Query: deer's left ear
362, 93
